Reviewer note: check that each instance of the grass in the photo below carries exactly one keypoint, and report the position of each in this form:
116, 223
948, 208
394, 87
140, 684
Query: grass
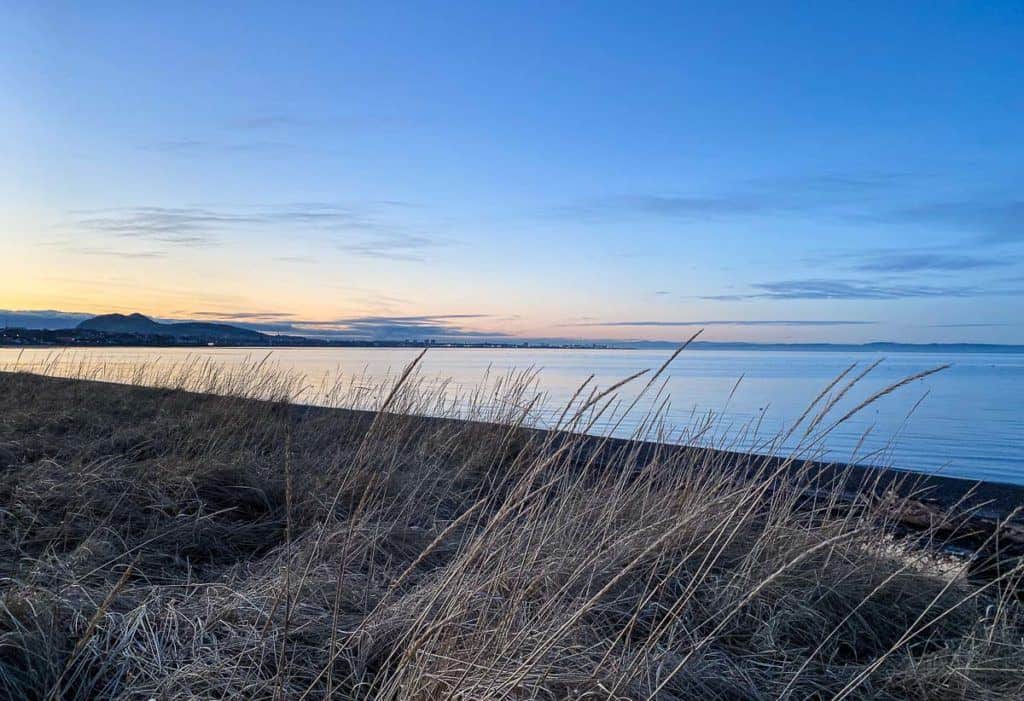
193, 542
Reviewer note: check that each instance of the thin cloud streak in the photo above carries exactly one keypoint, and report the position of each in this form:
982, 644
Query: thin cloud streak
927, 262
763, 196
847, 289
728, 322
77, 249
241, 316
395, 247
991, 222
360, 230
370, 327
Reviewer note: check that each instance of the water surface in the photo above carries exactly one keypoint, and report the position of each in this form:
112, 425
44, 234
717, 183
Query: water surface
967, 421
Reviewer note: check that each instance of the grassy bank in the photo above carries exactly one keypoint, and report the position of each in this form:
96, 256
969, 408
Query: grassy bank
169, 544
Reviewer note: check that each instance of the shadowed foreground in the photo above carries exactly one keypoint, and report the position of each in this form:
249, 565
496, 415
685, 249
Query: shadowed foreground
159, 543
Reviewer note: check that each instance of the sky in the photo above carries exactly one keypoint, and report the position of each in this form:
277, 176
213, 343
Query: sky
774, 172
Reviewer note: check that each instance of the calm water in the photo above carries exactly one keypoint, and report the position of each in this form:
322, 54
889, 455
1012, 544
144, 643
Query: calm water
968, 421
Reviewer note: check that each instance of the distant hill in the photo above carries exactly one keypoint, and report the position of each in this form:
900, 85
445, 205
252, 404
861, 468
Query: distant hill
144, 326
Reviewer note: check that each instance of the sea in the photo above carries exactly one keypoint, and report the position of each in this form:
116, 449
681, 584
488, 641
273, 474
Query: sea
965, 421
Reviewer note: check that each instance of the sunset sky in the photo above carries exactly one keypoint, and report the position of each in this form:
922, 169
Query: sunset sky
770, 171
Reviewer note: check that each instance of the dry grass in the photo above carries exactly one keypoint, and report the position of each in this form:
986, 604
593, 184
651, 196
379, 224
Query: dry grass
160, 543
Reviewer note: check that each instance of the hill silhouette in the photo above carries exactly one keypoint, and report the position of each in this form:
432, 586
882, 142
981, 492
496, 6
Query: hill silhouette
144, 326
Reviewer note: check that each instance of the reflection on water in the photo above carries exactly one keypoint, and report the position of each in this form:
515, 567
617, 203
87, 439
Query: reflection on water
967, 421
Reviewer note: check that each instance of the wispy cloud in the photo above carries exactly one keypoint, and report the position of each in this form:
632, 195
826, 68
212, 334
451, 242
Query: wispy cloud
874, 200
372, 327
170, 225
754, 197
725, 297
727, 322
838, 289
924, 261
106, 249
990, 221
242, 316
393, 247
79, 250
675, 206
971, 325
368, 229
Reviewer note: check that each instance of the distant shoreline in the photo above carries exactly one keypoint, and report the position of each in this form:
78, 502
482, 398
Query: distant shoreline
958, 348
139, 331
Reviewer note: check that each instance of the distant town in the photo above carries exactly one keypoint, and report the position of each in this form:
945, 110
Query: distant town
75, 338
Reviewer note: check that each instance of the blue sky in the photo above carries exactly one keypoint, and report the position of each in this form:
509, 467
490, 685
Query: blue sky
774, 172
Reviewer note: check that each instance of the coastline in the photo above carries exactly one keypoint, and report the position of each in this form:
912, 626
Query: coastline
871, 347
989, 499
970, 513
137, 517
1000, 497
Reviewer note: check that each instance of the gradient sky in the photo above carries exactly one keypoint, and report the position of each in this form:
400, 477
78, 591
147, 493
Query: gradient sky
819, 172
